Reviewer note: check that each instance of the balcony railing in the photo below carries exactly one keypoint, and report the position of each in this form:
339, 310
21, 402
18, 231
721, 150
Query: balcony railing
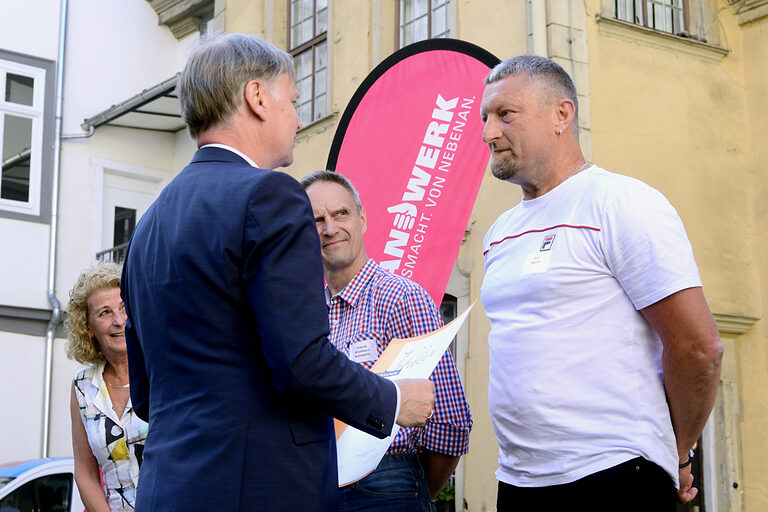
114, 255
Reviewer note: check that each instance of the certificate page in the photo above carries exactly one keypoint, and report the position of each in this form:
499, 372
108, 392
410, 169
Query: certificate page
359, 453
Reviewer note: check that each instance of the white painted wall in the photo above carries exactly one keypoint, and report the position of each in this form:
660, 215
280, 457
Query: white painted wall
185, 148
60, 437
81, 189
21, 368
21, 375
23, 263
30, 27
114, 51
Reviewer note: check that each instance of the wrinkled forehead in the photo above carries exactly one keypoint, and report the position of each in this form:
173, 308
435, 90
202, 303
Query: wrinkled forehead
509, 87
328, 197
104, 297
520, 87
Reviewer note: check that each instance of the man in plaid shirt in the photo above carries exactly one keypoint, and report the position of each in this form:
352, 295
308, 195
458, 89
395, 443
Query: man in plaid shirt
367, 308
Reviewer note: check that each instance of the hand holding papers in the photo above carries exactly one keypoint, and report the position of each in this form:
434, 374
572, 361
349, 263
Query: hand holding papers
414, 358
417, 398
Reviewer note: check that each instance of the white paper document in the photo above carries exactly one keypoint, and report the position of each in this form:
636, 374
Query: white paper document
359, 453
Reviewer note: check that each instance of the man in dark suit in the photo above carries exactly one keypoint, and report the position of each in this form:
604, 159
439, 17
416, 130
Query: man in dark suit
227, 327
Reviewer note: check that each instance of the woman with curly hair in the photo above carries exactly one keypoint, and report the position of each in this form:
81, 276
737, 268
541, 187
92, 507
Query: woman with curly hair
106, 434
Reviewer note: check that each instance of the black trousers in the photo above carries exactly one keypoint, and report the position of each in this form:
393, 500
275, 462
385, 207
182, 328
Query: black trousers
634, 486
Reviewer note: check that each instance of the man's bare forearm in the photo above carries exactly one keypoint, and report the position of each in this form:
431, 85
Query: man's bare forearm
691, 361
438, 469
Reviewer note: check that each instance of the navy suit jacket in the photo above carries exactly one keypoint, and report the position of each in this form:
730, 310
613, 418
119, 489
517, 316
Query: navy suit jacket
227, 346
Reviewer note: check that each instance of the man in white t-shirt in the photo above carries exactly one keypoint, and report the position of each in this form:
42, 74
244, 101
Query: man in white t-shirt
604, 356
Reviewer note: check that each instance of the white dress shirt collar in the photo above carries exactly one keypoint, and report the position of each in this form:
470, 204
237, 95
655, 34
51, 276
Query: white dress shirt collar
230, 148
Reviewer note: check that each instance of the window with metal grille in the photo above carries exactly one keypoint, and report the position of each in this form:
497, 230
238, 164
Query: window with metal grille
308, 44
664, 15
422, 19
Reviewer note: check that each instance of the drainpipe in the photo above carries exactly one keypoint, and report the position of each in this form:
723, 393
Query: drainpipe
55, 320
77, 135
537, 27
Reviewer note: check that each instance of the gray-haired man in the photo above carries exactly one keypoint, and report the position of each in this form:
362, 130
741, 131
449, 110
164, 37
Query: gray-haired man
227, 330
604, 357
367, 308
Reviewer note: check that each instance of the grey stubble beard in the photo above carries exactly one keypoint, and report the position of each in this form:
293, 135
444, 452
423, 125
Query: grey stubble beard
504, 169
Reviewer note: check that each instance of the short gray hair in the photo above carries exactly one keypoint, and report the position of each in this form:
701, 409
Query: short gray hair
210, 87
332, 177
539, 69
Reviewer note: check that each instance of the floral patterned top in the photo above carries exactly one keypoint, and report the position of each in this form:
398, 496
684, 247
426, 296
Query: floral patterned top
117, 443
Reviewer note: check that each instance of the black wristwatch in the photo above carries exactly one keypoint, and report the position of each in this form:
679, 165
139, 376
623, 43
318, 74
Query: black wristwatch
688, 462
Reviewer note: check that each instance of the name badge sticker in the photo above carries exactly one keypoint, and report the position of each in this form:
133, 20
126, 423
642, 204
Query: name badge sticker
364, 351
536, 263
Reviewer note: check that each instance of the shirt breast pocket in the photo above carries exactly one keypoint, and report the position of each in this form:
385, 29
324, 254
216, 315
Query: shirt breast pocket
364, 348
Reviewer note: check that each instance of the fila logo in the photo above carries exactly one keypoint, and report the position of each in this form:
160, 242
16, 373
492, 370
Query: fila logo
547, 243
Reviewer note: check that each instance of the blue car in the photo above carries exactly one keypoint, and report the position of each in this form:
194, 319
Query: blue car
40, 485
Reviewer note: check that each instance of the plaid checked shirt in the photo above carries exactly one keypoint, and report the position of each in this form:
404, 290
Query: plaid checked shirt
378, 306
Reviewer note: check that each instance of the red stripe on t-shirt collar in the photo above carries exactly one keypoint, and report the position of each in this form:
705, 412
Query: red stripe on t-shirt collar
538, 231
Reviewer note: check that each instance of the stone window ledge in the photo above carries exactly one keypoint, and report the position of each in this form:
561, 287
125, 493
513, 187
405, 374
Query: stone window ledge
317, 126
734, 324
182, 17
658, 39
748, 10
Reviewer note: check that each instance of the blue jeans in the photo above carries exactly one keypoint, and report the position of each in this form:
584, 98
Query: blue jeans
397, 485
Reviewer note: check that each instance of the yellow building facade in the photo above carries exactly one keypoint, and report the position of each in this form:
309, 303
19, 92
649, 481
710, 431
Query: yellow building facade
673, 92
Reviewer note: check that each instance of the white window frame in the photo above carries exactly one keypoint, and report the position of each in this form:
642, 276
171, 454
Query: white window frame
152, 177
643, 16
400, 23
36, 114
318, 108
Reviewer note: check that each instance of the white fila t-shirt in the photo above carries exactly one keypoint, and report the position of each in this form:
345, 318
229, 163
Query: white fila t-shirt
576, 383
